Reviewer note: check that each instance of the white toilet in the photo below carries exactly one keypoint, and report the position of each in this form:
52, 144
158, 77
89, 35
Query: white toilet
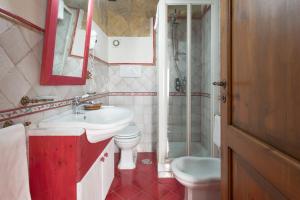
200, 176
127, 139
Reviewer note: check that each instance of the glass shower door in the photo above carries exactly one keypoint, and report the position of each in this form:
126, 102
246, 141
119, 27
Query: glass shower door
189, 54
177, 65
200, 80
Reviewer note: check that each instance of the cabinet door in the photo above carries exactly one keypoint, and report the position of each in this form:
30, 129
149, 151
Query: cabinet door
89, 187
108, 170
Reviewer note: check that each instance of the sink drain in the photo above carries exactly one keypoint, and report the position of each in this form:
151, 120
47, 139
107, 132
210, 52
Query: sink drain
147, 162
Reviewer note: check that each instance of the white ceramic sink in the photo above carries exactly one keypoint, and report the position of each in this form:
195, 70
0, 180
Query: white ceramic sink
99, 124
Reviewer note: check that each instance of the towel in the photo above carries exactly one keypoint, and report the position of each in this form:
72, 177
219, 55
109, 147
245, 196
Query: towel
217, 131
14, 181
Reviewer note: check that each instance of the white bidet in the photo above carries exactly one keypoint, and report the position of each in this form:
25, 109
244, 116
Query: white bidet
200, 176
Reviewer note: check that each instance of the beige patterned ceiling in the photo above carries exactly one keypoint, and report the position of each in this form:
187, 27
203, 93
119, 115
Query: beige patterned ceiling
83, 4
125, 17
181, 11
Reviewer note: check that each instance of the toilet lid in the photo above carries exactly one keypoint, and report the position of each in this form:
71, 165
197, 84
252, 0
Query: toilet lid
130, 131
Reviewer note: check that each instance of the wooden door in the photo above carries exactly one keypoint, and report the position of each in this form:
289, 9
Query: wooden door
260, 53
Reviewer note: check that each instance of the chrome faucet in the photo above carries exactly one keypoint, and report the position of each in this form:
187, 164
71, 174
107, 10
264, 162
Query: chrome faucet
76, 102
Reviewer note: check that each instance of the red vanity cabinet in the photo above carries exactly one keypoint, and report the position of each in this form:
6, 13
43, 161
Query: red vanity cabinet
70, 167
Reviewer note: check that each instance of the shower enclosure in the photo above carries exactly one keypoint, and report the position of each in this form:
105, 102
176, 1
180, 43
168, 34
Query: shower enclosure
188, 63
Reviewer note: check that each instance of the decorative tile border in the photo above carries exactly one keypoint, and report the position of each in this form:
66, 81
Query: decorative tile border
133, 94
194, 94
97, 96
155, 94
32, 109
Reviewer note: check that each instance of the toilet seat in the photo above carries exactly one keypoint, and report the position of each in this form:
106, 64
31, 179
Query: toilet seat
129, 132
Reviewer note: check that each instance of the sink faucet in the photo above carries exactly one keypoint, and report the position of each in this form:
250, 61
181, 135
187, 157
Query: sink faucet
76, 102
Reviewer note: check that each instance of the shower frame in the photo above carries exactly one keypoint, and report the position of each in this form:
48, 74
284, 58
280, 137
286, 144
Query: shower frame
163, 77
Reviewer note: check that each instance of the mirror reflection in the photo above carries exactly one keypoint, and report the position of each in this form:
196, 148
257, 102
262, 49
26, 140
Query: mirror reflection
124, 31
70, 38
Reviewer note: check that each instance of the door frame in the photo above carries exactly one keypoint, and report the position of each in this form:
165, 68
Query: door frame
225, 107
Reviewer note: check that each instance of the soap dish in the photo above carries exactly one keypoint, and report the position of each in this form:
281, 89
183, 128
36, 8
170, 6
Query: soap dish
95, 106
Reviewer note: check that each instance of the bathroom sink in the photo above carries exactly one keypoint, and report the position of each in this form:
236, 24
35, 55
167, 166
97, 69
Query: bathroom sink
99, 124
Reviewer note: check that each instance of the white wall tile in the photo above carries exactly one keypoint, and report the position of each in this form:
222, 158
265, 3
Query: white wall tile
30, 68
44, 90
14, 44
4, 24
4, 103
145, 83
38, 51
14, 86
6, 63
32, 37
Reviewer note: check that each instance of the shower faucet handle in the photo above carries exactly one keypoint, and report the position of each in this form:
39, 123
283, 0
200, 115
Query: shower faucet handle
220, 83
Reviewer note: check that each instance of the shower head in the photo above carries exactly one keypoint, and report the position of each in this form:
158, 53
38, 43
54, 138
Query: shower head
174, 17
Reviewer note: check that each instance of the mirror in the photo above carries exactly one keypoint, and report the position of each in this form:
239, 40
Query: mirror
66, 45
124, 31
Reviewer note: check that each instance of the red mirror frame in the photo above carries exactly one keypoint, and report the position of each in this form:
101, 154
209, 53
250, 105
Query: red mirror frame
49, 45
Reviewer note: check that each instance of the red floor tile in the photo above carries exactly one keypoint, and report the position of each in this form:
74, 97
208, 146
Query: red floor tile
128, 191
142, 183
113, 196
142, 196
157, 190
115, 184
173, 196
175, 187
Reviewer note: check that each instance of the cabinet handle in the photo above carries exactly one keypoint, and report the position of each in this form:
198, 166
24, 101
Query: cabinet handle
102, 159
106, 155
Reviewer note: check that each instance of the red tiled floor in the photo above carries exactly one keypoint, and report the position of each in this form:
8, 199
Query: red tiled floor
157, 190
127, 191
173, 196
142, 183
142, 196
113, 196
